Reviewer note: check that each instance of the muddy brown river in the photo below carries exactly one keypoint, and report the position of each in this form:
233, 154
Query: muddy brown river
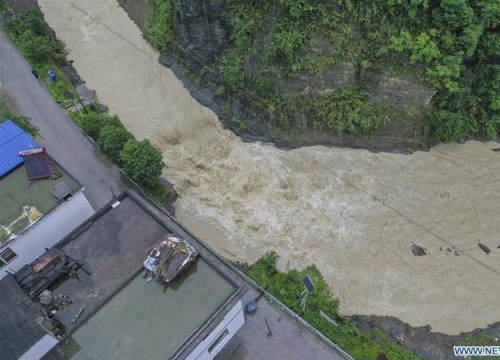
353, 213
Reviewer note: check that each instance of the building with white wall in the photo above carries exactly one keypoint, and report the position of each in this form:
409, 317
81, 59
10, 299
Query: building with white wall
122, 314
36, 213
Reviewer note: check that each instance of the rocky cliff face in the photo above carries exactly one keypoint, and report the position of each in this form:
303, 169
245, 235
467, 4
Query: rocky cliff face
203, 35
200, 27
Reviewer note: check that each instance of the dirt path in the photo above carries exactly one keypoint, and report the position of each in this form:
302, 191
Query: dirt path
353, 213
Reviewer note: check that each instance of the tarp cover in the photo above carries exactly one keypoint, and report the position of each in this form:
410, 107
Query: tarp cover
12, 140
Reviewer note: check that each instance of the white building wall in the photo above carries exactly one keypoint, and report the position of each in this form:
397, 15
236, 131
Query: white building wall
40, 349
233, 321
48, 231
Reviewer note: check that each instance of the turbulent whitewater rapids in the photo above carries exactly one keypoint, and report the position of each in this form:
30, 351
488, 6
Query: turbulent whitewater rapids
353, 213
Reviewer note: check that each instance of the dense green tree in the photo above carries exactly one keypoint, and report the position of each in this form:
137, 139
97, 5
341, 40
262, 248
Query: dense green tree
30, 34
142, 162
93, 122
112, 138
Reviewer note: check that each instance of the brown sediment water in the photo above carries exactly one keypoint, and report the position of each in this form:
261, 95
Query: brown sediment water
353, 213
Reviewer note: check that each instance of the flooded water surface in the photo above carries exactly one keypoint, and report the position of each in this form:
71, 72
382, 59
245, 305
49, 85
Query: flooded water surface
353, 213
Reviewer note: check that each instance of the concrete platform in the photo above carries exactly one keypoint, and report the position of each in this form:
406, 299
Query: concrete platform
289, 339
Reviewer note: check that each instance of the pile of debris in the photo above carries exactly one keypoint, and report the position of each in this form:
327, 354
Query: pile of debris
168, 258
418, 250
34, 278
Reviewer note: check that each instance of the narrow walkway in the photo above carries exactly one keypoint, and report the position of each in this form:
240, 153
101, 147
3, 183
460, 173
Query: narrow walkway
58, 133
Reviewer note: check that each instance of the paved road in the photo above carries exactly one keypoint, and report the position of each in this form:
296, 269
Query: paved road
58, 133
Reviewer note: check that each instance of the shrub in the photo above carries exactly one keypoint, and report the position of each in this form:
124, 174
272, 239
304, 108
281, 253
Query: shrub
35, 21
93, 122
286, 286
347, 111
142, 162
231, 70
36, 48
112, 138
451, 126
159, 23
284, 48
159, 192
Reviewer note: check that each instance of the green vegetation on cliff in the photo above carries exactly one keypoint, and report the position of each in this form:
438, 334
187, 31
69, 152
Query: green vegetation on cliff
451, 46
286, 286
159, 23
346, 111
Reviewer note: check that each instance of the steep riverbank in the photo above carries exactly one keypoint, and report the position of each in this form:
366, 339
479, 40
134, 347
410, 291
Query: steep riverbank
352, 212
291, 71
403, 136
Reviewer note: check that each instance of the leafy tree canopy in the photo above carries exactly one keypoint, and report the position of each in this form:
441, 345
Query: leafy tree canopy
142, 162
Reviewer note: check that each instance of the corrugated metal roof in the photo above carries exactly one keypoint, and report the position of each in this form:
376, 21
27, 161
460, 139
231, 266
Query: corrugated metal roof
12, 140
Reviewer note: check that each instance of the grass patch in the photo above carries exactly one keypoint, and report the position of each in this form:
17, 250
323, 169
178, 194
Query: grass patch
286, 286
346, 111
22, 121
59, 88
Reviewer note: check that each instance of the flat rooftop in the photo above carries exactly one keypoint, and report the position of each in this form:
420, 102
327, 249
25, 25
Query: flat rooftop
18, 328
122, 313
16, 191
141, 319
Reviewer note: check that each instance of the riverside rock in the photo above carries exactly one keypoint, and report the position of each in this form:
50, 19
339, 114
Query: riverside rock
418, 250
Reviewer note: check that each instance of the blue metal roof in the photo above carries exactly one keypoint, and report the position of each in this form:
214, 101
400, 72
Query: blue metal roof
12, 140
